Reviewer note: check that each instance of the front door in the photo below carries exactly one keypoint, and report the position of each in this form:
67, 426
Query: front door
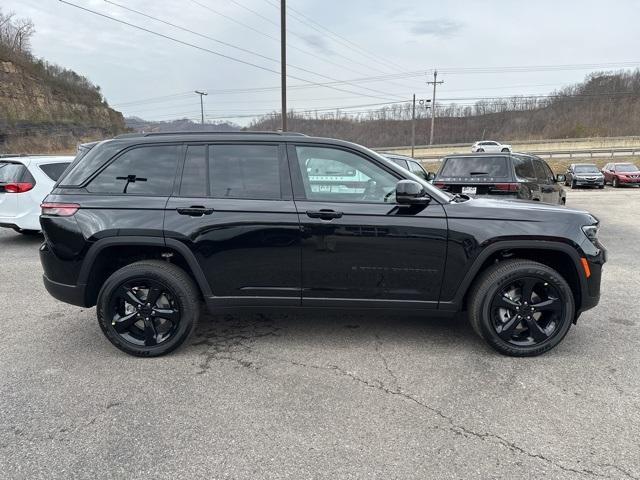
358, 247
234, 210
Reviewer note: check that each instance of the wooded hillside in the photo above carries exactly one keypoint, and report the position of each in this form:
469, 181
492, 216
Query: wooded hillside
605, 104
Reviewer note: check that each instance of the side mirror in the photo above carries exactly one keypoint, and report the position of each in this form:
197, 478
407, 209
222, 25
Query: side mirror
409, 192
560, 178
431, 176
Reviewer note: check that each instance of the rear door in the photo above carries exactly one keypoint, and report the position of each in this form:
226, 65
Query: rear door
548, 187
234, 210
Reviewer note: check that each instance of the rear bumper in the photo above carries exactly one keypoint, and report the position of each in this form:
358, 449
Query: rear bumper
73, 294
24, 222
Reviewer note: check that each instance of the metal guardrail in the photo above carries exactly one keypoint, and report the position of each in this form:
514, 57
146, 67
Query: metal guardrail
590, 153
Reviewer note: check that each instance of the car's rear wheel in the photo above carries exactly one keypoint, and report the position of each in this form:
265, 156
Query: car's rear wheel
148, 308
615, 182
521, 308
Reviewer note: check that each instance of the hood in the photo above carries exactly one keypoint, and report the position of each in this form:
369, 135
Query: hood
520, 210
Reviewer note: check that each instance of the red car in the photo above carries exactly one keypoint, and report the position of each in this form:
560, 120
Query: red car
621, 174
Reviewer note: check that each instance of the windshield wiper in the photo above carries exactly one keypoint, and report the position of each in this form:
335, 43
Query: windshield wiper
478, 173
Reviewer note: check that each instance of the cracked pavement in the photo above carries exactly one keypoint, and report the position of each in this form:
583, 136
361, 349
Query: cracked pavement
322, 395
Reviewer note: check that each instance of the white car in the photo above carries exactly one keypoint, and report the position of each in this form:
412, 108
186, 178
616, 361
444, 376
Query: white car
490, 146
24, 183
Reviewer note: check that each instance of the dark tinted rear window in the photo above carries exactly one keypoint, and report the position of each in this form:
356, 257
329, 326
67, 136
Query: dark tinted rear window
244, 171
147, 170
11, 172
54, 170
475, 167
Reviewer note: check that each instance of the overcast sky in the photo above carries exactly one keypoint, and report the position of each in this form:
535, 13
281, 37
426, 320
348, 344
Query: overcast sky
393, 37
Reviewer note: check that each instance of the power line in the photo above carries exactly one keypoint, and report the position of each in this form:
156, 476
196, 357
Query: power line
341, 39
228, 57
296, 34
236, 47
292, 47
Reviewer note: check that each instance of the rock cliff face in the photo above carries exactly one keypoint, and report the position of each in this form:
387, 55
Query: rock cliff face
41, 116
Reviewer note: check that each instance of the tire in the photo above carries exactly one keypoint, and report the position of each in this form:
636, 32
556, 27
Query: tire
480, 150
27, 232
615, 182
153, 329
483, 314
504, 150
600, 187
573, 184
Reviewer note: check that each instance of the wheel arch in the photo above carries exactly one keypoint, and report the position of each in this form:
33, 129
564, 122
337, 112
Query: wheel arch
110, 254
561, 257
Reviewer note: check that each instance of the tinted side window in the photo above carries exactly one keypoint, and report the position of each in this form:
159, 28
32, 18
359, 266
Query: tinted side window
244, 171
335, 175
550, 175
54, 170
194, 175
524, 168
415, 168
540, 172
399, 161
148, 170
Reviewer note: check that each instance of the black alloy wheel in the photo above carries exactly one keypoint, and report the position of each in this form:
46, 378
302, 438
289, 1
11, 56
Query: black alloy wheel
144, 312
527, 311
520, 307
148, 308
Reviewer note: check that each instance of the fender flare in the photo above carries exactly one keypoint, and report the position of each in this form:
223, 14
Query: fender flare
535, 245
168, 243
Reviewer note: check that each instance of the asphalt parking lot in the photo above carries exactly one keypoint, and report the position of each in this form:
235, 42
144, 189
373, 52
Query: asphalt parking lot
322, 395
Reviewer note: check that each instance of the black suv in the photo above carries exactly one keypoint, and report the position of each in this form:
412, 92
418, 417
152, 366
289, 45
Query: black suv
511, 175
147, 227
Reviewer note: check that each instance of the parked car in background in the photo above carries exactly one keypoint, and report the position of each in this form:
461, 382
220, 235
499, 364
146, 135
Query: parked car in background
506, 175
408, 163
490, 146
24, 182
149, 227
583, 175
618, 174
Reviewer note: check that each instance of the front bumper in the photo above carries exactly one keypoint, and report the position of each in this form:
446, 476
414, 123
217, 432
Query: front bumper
583, 182
591, 294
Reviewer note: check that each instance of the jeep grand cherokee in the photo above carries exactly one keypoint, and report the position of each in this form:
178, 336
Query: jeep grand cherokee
148, 227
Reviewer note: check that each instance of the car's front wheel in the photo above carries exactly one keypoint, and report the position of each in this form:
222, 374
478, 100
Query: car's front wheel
504, 150
521, 307
148, 308
615, 182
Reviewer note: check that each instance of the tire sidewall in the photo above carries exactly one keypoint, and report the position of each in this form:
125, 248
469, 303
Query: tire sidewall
485, 324
125, 275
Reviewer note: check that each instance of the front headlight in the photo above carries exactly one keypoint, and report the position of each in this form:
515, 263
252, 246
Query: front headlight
591, 231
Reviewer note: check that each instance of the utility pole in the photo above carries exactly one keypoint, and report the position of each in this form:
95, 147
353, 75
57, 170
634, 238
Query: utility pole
202, 94
423, 103
283, 61
433, 103
413, 126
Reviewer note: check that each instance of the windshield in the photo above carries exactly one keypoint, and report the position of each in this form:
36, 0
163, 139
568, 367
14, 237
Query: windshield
586, 169
475, 167
626, 167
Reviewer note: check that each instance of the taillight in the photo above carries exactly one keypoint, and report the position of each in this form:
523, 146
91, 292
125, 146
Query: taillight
18, 187
439, 184
506, 187
59, 209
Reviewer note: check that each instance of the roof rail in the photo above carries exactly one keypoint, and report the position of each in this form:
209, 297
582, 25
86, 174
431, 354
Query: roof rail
159, 134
